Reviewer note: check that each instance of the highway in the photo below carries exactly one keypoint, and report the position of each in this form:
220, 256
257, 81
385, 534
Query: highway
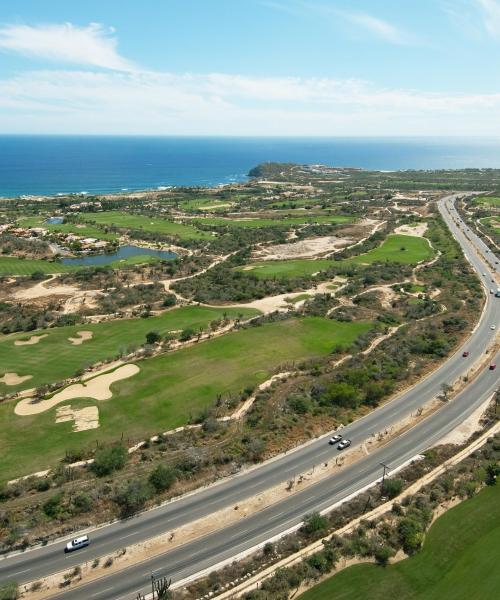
195, 556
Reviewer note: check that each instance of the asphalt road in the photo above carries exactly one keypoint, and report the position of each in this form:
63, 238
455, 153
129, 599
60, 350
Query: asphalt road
200, 554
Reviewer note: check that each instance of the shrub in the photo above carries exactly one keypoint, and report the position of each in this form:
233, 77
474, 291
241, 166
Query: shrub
82, 503
109, 459
162, 478
314, 523
9, 591
133, 496
393, 487
52, 506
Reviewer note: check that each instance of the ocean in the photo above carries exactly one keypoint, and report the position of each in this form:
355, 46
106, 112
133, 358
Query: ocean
46, 165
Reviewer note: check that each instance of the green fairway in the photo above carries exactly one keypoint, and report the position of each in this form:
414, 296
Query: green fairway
286, 268
85, 230
205, 204
404, 249
459, 561
169, 388
10, 265
149, 224
54, 358
286, 222
493, 222
489, 200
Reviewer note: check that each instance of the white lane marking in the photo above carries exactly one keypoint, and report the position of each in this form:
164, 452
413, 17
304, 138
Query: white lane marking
103, 591
126, 536
19, 572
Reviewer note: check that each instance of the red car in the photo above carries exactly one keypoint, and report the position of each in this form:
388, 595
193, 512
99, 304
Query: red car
465, 354
493, 367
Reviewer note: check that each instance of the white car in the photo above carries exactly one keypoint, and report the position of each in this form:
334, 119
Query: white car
334, 439
493, 327
77, 543
344, 444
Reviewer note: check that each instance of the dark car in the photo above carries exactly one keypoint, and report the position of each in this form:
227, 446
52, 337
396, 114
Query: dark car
465, 354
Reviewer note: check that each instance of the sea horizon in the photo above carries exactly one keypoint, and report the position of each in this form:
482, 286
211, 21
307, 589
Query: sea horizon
51, 164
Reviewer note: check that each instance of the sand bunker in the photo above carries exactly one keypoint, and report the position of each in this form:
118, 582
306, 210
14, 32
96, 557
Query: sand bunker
414, 230
84, 418
82, 337
14, 378
303, 249
97, 388
34, 339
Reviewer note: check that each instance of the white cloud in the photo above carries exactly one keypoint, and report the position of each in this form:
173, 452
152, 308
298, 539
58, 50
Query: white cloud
93, 45
378, 27
491, 16
224, 104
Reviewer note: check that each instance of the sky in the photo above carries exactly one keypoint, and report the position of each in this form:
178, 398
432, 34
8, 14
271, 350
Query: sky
250, 67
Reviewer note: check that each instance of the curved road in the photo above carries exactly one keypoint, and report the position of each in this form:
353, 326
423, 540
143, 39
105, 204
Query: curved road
195, 556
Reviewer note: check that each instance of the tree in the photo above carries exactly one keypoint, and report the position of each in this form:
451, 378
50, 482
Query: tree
109, 459
383, 554
162, 478
153, 337
411, 535
492, 473
343, 394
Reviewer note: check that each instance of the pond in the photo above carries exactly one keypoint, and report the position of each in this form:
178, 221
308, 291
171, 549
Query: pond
123, 253
54, 220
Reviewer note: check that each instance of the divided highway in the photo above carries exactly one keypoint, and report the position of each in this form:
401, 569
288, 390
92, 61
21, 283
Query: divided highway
228, 542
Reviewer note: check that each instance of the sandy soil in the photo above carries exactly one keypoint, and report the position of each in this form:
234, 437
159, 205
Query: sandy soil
84, 418
303, 248
40, 289
34, 339
81, 299
387, 293
82, 336
464, 431
417, 231
14, 378
280, 302
97, 388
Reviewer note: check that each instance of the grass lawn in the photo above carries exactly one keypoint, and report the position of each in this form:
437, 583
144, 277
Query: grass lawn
490, 200
286, 222
459, 561
286, 268
299, 298
10, 265
43, 360
149, 224
404, 249
170, 388
85, 230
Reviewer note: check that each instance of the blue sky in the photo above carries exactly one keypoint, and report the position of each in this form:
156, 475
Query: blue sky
250, 67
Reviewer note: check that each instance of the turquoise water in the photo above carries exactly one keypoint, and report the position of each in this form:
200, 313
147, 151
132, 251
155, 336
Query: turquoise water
123, 252
62, 164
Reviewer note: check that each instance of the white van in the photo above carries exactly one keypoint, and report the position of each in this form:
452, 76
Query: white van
77, 543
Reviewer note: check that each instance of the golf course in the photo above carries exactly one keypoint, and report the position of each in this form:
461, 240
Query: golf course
169, 388
459, 561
